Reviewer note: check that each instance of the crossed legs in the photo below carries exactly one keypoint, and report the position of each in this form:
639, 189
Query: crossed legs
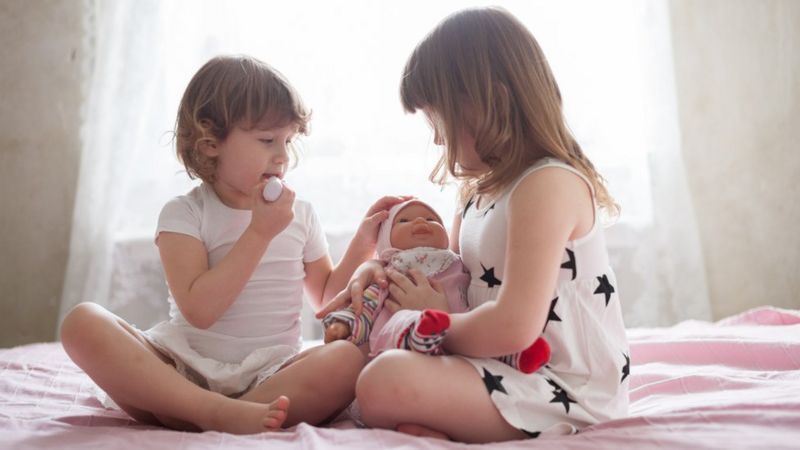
145, 384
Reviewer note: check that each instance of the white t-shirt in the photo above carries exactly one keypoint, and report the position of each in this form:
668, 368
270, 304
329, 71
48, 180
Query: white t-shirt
267, 311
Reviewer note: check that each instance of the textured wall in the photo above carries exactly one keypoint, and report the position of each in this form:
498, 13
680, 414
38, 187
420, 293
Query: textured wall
737, 68
40, 86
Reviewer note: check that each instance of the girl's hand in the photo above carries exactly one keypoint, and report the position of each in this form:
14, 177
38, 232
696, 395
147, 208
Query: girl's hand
416, 293
366, 236
367, 273
270, 218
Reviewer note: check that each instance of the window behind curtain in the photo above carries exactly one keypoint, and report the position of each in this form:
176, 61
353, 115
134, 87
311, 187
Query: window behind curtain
612, 60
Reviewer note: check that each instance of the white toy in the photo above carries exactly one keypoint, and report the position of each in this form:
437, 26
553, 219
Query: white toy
273, 189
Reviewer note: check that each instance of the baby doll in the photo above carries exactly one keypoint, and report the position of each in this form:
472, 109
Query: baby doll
413, 236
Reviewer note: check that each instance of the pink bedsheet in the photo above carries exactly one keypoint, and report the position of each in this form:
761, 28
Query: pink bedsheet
731, 384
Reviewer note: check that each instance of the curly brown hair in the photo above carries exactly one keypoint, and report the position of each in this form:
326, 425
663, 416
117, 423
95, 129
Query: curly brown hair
232, 91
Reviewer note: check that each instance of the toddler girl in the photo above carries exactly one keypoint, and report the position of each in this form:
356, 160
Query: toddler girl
236, 266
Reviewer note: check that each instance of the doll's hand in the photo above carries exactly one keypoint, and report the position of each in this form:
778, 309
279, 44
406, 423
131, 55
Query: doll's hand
336, 330
416, 293
370, 272
270, 218
366, 236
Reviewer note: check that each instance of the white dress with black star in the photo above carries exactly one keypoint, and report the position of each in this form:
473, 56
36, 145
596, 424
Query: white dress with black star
586, 380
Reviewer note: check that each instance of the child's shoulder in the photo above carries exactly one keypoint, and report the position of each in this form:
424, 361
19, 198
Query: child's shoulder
551, 175
193, 200
187, 207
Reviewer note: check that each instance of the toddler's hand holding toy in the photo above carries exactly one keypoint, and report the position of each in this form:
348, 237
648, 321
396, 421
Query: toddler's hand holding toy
270, 217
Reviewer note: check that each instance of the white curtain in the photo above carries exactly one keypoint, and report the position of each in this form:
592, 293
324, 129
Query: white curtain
613, 61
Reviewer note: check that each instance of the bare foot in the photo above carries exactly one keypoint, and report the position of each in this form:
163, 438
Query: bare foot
420, 431
243, 417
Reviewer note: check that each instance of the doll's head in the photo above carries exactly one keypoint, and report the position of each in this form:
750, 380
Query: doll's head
412, 224
227, 92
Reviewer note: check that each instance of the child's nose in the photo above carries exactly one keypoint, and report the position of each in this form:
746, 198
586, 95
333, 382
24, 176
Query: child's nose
282, 155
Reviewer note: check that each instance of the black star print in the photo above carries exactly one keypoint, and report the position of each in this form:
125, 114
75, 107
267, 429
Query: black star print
570, 264
469, 203
493, 382
560, 395
488, 209
489, 278
626, 369
604, 288
531, 434
552, 314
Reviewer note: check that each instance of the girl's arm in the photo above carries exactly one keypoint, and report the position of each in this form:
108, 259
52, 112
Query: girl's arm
455, 232
323, 281
203, 294
548, 208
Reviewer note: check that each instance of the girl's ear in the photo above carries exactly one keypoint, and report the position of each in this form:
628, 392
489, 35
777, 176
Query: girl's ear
209, 147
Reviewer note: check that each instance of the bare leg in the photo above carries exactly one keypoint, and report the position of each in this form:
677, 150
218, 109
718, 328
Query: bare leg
144, 383
321, 383
433, 396
419, 430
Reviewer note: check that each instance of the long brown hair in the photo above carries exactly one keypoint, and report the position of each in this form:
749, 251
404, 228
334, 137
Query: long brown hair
481, 68
228, 91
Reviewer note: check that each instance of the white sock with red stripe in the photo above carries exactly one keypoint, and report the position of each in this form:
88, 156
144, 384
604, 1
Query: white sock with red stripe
427, 333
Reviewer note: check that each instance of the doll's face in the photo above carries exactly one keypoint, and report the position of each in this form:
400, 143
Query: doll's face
417, 226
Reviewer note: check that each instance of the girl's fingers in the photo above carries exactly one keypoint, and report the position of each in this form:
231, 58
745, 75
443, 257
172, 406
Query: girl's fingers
356, 293
380, 277
385, 203
339, 301
288, 194
395, 291
391, 305
400, 280
332, 305
437, 286
377, 218
419, 278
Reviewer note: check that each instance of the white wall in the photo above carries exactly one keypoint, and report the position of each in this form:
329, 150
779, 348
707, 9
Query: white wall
737, 66
41, 63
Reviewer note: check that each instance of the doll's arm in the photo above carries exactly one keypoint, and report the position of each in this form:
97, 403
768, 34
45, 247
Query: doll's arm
346, 324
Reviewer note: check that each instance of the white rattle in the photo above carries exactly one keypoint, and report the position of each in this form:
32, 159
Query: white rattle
273, 189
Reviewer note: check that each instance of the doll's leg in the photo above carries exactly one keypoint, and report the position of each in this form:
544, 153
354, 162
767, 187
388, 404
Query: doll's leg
530, 359
426, 334
358, 326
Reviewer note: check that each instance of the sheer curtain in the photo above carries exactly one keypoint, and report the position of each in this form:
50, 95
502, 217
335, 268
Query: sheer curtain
613, 61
